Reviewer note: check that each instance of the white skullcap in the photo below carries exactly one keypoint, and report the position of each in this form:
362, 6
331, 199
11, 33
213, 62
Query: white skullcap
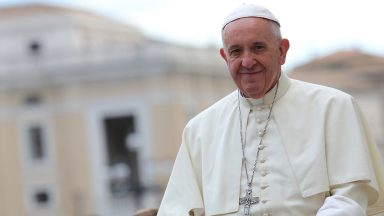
249, 10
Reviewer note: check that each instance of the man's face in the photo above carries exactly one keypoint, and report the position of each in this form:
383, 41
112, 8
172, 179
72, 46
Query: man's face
254, 55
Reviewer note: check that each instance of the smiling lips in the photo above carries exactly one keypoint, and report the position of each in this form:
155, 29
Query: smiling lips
250, 72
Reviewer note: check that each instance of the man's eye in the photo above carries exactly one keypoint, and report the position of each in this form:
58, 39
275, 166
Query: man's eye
258, 47
235, 52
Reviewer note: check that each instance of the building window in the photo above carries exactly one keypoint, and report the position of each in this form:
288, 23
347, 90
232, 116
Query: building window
32, 100
123, 156
36, 142
35, 47
41, 198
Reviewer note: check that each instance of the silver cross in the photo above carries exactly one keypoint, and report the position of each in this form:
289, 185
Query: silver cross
248, 201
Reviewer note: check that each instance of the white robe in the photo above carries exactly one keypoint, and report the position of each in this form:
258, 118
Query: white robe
325, 140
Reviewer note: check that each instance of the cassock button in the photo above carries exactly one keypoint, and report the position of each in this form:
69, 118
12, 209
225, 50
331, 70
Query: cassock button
262, 160
264, 201
267, 214
264, 186
259, 120
264, 173
259, 108
261, 133
261, 147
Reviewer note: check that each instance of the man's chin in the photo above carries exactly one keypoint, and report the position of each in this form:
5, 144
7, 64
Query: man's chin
254, 94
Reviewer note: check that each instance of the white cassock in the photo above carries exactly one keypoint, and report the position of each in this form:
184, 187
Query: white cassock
317, 158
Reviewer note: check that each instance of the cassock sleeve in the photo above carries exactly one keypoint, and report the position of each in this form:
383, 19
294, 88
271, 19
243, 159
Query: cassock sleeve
352, 156
183, 194
348, 199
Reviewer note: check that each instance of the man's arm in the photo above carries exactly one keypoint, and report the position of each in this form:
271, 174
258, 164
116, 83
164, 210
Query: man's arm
347, 199
183, 192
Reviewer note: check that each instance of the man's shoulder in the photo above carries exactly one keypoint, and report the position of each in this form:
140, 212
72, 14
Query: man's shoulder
316, 91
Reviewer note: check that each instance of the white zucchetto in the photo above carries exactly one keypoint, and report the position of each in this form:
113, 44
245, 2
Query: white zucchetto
249, 10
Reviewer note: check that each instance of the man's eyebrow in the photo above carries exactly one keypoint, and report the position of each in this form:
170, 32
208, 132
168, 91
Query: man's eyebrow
259, 43
232, 47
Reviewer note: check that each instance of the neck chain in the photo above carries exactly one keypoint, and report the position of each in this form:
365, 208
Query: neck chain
261, 135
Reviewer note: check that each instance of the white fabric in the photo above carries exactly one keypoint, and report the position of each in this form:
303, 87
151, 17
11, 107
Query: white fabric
317, 125
249, 10
346, 199
337, 205
274, 180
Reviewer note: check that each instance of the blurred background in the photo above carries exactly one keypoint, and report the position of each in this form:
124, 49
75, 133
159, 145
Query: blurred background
94, 95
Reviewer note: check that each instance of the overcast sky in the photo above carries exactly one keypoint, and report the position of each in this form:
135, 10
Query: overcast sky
314, 28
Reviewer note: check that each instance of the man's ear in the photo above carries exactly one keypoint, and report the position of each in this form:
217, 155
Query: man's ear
223, 55
284, 47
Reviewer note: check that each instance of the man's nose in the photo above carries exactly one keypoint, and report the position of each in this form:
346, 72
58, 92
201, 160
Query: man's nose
248, 60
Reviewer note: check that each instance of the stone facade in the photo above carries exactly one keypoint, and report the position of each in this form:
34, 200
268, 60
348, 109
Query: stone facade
92, 111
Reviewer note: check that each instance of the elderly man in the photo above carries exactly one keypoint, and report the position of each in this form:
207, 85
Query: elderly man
275, 146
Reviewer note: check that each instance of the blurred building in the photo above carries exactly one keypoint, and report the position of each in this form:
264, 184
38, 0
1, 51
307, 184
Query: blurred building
92, 111
357, 73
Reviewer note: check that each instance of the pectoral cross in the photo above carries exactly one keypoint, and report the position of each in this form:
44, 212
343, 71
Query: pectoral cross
248, 201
